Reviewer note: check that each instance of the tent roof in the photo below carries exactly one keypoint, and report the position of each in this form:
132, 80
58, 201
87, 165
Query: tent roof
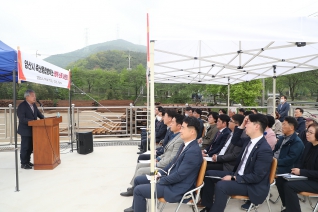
8, 62
221, 50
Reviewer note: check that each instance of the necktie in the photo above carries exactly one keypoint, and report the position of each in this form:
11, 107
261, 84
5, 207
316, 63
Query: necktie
217, 135
32, 108
241, 163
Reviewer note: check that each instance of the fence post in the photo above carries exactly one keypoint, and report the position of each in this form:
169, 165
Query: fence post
10, 112
131, 121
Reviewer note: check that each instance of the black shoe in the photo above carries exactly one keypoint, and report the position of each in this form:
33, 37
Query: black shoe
31, 164
130, 189
141, 152
139, 145
128, 193
205, 209
26, 166
246, 205
130, 209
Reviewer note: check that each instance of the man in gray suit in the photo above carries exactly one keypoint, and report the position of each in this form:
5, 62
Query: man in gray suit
162, 161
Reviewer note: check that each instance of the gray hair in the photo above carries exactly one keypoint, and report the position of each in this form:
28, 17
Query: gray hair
232, 109
28, 92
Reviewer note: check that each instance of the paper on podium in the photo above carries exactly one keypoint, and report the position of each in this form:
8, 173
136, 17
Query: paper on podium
208, 158
144, 161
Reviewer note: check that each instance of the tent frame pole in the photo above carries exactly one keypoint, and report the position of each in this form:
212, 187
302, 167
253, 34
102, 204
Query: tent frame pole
274, 89
15, 131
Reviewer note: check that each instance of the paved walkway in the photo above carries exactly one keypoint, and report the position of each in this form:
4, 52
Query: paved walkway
81, 183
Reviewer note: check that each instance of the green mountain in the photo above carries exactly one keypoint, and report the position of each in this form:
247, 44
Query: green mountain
110, 60
63, 60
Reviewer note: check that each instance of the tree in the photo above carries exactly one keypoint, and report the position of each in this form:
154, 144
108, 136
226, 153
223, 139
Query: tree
247, 92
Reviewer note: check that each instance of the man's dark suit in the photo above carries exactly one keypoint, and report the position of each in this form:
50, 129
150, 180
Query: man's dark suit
182, 177
253, 183
283, 110
218, 142
25, 114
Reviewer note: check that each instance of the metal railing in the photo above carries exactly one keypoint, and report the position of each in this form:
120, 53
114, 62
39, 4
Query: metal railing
116, 121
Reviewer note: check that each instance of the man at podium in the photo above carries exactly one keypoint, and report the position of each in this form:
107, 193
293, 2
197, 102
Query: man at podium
27, 111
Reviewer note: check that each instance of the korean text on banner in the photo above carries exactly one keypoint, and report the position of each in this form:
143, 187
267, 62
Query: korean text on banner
32, 69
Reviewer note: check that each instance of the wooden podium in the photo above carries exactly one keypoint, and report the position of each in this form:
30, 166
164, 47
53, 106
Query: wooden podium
46, 143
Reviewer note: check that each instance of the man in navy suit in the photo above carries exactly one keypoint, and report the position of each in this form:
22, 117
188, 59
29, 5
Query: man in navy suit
179, 176
283, 108
27, 111
220, 137
250, 176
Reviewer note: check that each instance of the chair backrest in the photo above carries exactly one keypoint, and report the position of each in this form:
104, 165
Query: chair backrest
201, 173
272, 174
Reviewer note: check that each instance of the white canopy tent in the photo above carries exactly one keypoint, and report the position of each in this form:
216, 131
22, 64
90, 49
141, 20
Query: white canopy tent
201, 48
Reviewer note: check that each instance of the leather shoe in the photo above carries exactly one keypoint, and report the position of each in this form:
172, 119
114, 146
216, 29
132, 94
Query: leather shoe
128, 193
26, 166
130, 209
31, 164
130, 189
141, 152
205, 210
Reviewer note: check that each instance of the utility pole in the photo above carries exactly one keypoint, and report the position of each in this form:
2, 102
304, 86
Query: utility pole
37, 54
129, 58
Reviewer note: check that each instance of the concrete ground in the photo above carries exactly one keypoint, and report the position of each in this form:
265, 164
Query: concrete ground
89, 182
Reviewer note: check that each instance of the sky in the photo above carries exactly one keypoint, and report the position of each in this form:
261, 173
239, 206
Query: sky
54, 27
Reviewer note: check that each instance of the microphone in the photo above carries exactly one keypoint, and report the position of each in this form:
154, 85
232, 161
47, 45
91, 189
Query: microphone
39, 103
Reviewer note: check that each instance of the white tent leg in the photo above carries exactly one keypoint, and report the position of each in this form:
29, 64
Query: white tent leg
274, 89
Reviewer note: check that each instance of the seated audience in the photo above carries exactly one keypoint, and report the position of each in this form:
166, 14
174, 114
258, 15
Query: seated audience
270, 136
211, 131
167, 119
170, 150
248, 112
277, 127
241, 111
254, 111
232, 111
177, 177
308, 167
222, 111
188, 111
220, 138
197, 113
287, 151
301, 121
250, 177
160, 132
226, 159
310, 119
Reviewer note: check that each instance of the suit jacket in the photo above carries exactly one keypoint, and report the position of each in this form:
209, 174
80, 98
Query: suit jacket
312, 174
230, 156
257, 168
218, 142
184, 172
170, 151
210, 134
168, 137
290, 153
201, 128
301, 125
283, 109
161, 130
25, 114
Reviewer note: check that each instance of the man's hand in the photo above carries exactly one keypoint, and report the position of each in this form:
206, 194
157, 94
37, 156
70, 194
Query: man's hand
295, 171
200, 141
244, 122
227, 178
214, 157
